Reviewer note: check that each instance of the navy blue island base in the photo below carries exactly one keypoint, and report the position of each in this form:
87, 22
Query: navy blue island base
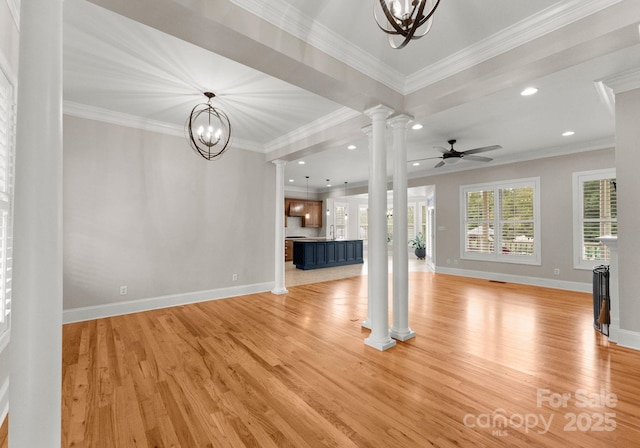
326, 254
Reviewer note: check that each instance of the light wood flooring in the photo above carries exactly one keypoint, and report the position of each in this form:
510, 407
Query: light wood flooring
292, 371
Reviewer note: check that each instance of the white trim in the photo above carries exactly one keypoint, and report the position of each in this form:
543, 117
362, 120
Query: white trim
624, 81
314, 33
577, 181
4, 399
629, 339
520, 33
520, 279
607, 96
154, 303
321, 124
282, 15
136, 122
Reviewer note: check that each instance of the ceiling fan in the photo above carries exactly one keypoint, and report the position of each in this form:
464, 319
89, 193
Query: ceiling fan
451, 156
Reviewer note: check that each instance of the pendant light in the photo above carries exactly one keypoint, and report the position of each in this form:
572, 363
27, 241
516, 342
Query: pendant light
306, 204
345, 200
329, 186
208, 129
404, 20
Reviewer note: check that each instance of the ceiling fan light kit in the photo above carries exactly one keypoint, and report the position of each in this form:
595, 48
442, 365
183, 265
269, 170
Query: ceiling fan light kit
208, 129
451, 156
404, 20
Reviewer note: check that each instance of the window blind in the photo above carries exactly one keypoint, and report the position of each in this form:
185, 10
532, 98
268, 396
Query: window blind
7, 144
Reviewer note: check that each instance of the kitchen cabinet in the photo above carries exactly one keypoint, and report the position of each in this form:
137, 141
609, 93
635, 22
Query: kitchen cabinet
297, 207
314, 209
288, 250
300, 208
309, 254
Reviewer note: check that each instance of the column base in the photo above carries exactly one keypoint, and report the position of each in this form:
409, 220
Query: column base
366, 324
614, 331
279, 291
380, 345
402, 335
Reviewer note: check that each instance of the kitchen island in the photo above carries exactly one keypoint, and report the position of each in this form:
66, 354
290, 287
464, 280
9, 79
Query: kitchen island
315, 253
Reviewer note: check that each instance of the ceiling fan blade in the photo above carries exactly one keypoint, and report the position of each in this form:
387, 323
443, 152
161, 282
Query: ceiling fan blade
420, 160
439, 164
477, 158
483, 149
441, 149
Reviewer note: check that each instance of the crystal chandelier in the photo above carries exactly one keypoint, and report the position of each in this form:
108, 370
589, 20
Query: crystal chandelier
403, 19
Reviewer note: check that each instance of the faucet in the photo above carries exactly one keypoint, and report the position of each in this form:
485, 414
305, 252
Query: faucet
331, 230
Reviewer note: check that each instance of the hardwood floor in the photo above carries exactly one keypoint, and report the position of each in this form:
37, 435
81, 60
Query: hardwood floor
292, 371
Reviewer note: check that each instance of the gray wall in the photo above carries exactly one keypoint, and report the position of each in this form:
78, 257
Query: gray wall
141, 209
556, 213
627, 159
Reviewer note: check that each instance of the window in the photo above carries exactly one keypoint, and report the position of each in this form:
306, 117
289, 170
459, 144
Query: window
340, 216
363, 222
594, 215
501, 221
411, 222
7, 148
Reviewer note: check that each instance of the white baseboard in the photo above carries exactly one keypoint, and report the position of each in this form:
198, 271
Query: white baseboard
154, 303
4, 400
533, 281
629, 339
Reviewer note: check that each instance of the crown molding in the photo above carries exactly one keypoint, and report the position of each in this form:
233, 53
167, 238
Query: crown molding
314, 33
624, 81
305, 28
520, 33
133, 121
607, 96
321, 124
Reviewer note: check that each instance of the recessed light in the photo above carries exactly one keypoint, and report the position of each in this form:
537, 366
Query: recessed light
416, 163
301, 162
568, 134
290, 180
351, 147
416, 127
529, 91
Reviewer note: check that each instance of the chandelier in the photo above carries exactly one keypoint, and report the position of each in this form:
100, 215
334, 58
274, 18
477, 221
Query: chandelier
208, 129
403, 18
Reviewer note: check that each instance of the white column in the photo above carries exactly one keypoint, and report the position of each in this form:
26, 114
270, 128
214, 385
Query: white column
368, 129
36, 320
378, 263
400, 328
279, 287
614, 294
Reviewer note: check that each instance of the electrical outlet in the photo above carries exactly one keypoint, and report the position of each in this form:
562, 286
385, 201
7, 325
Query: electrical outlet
123, 290
234, 277
556, 271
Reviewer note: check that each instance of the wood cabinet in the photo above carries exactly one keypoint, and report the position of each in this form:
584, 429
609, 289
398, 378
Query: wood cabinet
314, 209
288, 250
300, 208
296, 207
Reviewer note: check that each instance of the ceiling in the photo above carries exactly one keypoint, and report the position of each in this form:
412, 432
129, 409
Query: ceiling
295, 76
